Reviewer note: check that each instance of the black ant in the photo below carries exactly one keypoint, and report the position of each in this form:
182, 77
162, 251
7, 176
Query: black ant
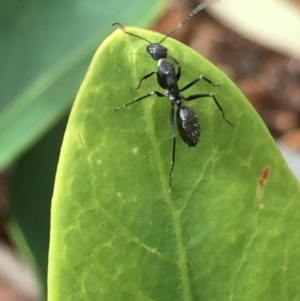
187, 121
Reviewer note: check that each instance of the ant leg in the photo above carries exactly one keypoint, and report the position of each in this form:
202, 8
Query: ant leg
201, 95
198, 79
143, 78
178, 73
174, 144
158, 94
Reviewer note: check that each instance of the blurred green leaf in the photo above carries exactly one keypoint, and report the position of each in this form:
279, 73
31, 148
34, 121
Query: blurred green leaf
226, 231
45, 50
30, 197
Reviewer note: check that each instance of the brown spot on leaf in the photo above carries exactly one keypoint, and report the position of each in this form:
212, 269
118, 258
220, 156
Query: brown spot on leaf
264, 176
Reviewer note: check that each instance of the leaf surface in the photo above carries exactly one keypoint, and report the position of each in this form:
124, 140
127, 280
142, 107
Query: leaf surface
226, 231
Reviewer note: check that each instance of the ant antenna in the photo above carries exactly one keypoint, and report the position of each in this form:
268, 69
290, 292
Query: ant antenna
195, 11
130, 33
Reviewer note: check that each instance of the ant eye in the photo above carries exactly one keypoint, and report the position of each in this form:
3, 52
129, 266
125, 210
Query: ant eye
150, 49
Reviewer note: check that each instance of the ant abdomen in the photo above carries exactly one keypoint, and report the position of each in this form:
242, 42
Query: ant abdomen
188, 126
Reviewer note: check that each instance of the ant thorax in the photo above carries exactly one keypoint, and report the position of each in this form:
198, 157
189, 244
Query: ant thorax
166, 67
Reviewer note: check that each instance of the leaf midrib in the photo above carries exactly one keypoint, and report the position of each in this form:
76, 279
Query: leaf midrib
182, 260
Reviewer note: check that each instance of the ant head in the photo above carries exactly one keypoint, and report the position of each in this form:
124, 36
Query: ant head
157, 51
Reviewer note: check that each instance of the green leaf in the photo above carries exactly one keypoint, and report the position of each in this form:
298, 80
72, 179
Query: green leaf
45, 51
226, 231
